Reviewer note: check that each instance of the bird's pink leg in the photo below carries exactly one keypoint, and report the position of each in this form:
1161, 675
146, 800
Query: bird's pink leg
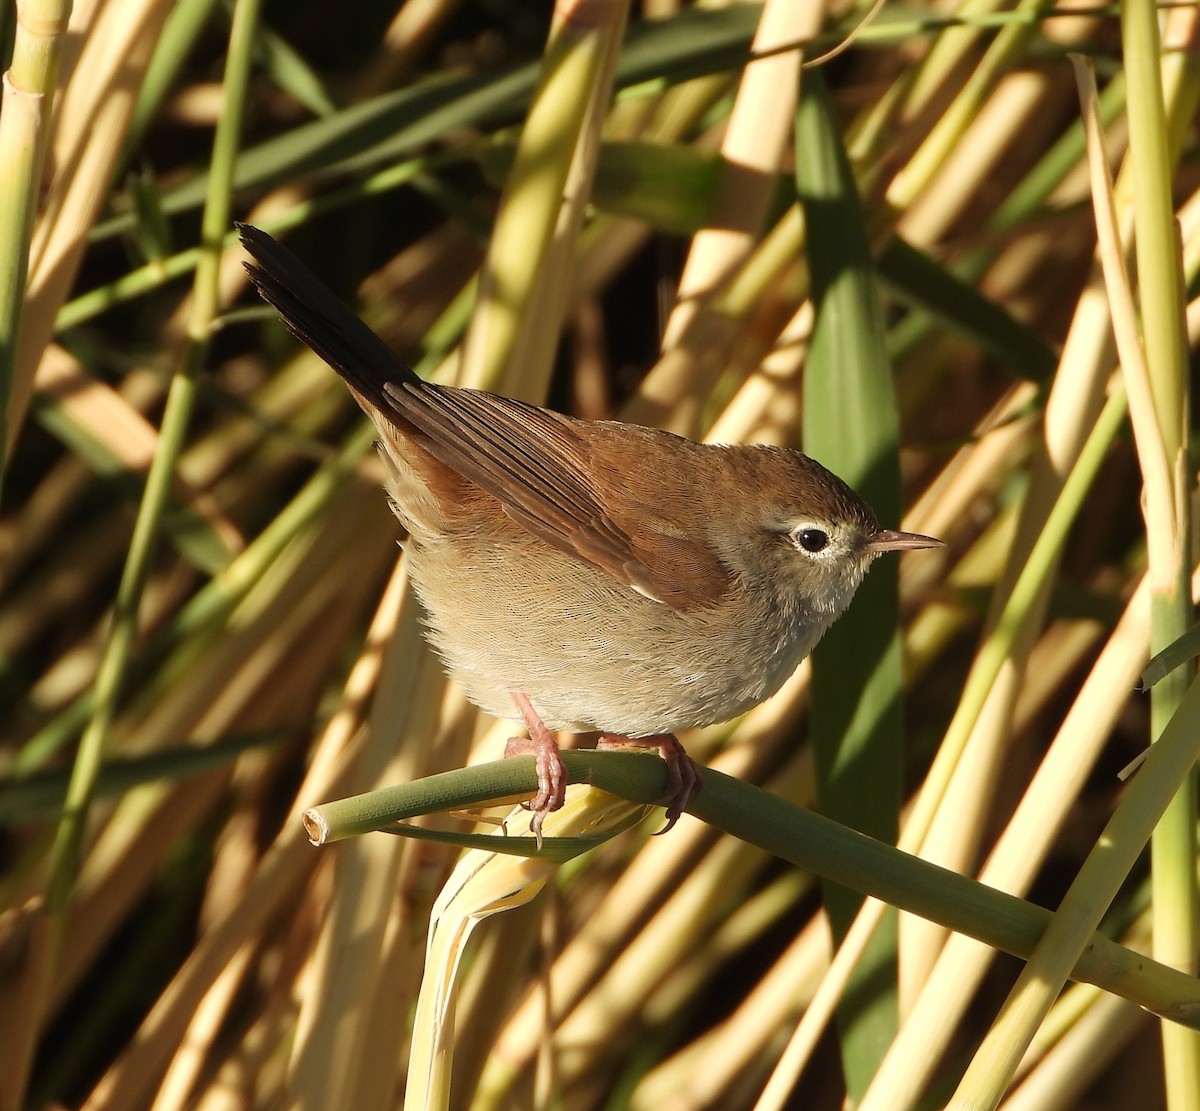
551, 772
683, 779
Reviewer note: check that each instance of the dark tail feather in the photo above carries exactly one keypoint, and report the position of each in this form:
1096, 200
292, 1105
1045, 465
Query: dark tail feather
319, 319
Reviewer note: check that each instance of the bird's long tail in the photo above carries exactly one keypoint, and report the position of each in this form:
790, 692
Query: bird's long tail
317, 317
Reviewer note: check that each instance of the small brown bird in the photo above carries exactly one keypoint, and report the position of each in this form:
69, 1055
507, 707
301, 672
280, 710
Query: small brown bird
593, 575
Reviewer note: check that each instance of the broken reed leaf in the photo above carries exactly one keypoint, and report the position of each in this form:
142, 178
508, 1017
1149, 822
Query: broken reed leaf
1175, 655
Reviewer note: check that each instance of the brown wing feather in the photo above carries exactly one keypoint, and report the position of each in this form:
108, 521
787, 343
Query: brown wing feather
538, 466
522, 455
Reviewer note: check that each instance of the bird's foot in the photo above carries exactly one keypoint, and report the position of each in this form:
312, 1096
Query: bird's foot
551, 772
683, 778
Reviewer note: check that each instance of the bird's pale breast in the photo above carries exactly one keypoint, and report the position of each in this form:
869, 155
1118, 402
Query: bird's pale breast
590, 653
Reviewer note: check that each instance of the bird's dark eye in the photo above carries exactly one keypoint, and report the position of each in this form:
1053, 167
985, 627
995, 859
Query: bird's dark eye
812, 539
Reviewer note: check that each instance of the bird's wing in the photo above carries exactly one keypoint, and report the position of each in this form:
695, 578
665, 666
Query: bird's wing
543, 471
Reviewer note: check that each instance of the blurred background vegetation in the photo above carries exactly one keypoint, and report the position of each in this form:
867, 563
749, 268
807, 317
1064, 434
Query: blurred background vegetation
904, 257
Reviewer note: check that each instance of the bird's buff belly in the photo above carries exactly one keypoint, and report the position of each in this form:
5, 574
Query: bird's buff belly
582, 674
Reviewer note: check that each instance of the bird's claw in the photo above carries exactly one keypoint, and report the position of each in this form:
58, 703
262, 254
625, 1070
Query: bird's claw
683, 777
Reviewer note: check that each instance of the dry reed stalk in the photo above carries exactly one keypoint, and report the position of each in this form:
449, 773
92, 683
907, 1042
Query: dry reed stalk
753, 149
